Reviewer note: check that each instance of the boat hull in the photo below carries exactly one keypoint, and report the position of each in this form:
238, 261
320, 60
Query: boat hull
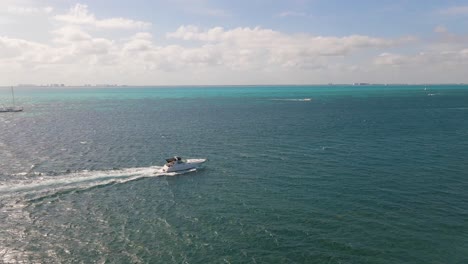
9, 110
188, 165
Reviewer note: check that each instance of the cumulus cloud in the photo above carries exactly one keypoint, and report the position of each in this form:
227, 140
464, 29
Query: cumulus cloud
17, 48
249, 46
77, 52
74, 49
80, 15
140, 42
19, 52
392, 59
23, 10
70, 34
266, 37
453, 58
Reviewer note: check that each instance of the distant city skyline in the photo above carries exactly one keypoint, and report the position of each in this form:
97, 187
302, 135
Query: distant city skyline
203, 42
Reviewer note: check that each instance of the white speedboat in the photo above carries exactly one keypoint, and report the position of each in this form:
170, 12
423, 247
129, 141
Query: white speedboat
179, 164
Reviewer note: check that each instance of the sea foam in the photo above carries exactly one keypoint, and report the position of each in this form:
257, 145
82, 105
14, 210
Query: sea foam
79, 180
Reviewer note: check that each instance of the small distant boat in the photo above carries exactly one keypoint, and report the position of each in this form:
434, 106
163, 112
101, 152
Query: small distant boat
13, 108
178, 164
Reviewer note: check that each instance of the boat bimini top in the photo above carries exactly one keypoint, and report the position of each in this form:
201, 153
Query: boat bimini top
175, 158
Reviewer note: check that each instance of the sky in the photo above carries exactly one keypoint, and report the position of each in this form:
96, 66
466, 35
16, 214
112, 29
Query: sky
224, 42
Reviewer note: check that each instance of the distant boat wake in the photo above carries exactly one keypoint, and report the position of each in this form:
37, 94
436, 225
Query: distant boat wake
294, 99
45, 185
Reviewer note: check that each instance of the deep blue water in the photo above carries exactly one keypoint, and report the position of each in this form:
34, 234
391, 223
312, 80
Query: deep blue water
356, 174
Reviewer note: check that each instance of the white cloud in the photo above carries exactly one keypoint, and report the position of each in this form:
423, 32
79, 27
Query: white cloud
74, 50
391, 59
213, 12
80, 15
22, 53
76, 53
256, 46
70, 34
440, 29
455, 10
431, 65
292, 14
139, 42
426, 59
22, 10
15, 48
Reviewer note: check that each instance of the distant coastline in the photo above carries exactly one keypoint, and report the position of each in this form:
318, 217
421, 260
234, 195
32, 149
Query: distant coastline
225, 85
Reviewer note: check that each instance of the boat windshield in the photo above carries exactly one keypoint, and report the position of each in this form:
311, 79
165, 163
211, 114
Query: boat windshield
174, 160
170, 159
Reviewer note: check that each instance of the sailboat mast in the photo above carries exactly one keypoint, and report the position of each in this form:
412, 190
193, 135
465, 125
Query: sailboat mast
13, 96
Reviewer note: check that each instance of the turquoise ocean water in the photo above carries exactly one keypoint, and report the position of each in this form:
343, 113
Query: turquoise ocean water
356, 174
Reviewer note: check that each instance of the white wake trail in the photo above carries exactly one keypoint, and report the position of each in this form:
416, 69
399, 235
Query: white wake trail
38, 183
293, 99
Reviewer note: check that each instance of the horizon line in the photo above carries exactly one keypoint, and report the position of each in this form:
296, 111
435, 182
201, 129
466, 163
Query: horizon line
216, 85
